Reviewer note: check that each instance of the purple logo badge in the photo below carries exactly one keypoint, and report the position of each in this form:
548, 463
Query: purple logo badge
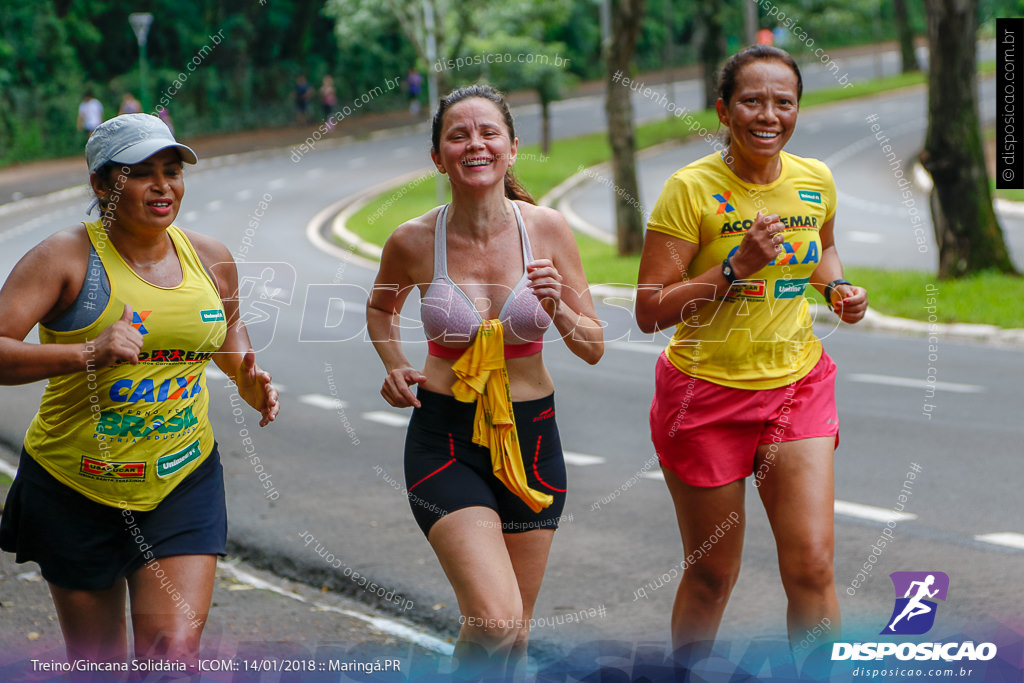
914, 612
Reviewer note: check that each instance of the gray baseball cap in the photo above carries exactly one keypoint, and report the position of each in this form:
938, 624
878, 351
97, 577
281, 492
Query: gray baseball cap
131, 138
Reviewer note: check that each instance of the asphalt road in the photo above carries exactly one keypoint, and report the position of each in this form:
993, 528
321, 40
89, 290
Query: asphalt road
334, 456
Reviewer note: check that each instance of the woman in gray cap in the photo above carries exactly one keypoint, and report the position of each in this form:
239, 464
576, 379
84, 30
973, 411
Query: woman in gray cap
120, 490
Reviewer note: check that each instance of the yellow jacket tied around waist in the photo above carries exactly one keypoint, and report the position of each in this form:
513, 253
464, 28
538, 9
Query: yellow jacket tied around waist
483, 377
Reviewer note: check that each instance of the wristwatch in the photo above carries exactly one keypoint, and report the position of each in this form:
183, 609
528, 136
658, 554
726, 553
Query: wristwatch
830, 287
728, 272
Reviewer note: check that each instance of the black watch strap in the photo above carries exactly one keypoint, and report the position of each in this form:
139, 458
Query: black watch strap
831, 286
728, 272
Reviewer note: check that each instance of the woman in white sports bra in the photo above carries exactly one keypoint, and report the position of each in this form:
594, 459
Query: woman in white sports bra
503, 271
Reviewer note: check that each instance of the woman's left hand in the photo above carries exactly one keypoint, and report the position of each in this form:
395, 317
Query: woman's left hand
546, 283
254, 386
849, 303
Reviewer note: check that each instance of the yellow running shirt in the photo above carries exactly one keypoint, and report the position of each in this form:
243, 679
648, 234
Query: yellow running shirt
760, 335
126, 435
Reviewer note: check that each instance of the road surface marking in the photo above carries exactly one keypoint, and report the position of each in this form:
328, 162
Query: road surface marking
656, 476
8, 469
214, 205
321, 401
382, 624
386, 417
358, 162
864, 237
1008, 539
870, 512
243, 194
581, 459
276, 183
915, 383
642, 347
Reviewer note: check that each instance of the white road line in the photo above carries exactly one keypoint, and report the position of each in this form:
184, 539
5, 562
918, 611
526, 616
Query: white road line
321, 401
358, 162
382, 624
656, 476
581, 459
402, 152
8, 469
277, 183
388, 418
243, 194
871, 513
643, 347
1008, 539
864, 237
314, 172
213, 372
191, 216
214, 205
915, 383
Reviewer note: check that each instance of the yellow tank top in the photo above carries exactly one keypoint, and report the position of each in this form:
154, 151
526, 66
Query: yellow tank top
126, 435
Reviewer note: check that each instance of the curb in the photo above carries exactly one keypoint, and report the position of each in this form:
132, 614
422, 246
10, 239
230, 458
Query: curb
559, 196
349, 206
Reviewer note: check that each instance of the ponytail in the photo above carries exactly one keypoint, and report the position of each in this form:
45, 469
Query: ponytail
515, 190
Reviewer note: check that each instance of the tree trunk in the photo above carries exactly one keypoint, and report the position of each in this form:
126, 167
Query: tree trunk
908, 57
629, 220
966, 228
545, 126
709, 47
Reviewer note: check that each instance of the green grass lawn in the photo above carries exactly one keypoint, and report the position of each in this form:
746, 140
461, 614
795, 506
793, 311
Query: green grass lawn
989, 298
899, 293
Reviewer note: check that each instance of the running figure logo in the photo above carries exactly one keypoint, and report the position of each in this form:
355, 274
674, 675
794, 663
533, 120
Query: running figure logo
914, 613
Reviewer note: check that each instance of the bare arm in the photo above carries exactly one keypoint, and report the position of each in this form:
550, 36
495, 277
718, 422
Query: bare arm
561, 285
236, 357
849, 302
29, 297
383, 309
666, 295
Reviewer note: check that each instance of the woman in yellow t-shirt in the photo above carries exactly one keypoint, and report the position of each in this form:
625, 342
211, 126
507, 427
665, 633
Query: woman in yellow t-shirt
744, 388
120, 488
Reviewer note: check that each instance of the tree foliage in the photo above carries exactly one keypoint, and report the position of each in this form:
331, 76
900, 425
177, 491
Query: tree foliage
51, 50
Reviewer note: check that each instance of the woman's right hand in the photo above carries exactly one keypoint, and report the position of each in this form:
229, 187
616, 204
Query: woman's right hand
119, 343
396, 387
760, 246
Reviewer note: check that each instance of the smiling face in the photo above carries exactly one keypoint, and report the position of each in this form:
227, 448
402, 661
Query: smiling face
761, 114
148, 195
475, 146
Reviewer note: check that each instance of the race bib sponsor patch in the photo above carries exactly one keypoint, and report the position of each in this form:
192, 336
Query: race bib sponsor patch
169, 464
